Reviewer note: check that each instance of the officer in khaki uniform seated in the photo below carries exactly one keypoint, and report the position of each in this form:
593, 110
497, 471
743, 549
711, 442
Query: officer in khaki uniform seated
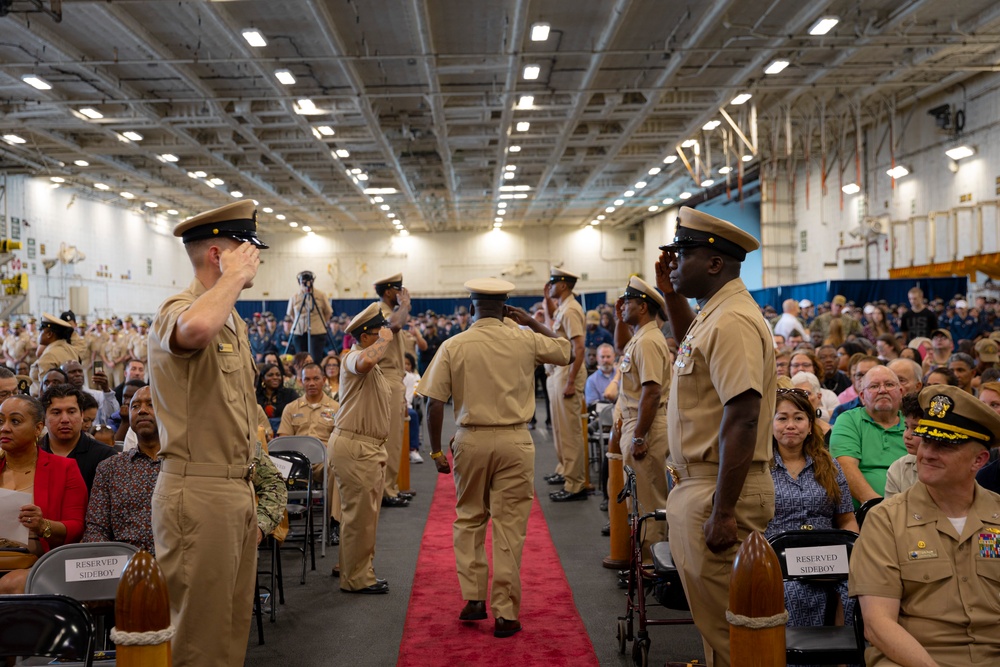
642, 398
395, 305
357, 449
722, 396
493, 452
927, 565
565, 385
54, 338
314, 414
202, 380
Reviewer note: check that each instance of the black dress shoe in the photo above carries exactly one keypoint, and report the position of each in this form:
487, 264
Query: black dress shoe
335, 572
565, 496
379, 587
407, 495
474, 610
606, 530
556, 480
504, 628
604, 505
394, 501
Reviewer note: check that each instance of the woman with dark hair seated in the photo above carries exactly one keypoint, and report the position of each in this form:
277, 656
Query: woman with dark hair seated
272, 395
810, 492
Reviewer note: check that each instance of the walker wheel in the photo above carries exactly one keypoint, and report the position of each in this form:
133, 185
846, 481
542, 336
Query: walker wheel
622, 636
640, 652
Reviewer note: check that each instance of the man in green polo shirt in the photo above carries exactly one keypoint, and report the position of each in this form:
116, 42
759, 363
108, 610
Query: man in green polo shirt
866, 440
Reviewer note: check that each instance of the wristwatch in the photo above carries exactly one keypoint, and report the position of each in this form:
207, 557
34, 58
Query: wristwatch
46, 528
436, 455
638, 441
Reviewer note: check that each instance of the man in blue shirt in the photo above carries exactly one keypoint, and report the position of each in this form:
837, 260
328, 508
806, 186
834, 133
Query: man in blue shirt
601, 378
963, 324
596, 334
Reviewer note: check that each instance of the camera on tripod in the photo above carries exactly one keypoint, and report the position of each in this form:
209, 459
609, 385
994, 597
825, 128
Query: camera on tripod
306, 279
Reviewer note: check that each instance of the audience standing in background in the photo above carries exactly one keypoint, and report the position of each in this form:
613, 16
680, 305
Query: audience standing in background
920, 320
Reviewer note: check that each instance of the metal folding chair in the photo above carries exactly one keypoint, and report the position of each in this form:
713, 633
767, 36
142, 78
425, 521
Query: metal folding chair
315, 451
50, 626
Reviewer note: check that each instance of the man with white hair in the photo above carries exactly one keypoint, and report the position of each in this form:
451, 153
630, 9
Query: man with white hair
789, 320
908, 372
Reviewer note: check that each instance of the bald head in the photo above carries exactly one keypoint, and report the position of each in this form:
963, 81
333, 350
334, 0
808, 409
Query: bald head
909, 374
790, 306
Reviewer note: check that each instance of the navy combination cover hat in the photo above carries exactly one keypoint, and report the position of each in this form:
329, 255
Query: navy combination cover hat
697, 229
368, 320
560, 276
953, 416
489, 289
236, 221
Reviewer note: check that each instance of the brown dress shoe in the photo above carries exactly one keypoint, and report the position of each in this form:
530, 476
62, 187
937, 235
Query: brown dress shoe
474, 610
504, 628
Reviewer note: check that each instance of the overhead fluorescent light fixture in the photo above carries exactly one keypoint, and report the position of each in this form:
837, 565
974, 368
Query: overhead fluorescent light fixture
725, 170
217, 181
531, 72
741, 98
502, 204
268, 209
152, 204
236, 194
385, 207
284, 76
127, 195
619, 202
610, 209
91, 113
684, 195
14, 139
640, 185
169, 157
776, 67
57, 179
342, 153
601, 217
897, 172
516, 195
132, 136
404, 232
690, 143
325, 130
501, 211
280, 216
306, 107
254, 37
509, 175
670, 159
628, 193
173, 211
594, 223
390, 215
526, 102
81, 163
851, 189
36, 82
747, 158
514, 149
102, 186
523, 126
540, 32
306, 228
824, 25
654, 171
711, 125
668, 201
293, 225
362, 177
960, 152
510, 167
708, 182
380, 191
514, 188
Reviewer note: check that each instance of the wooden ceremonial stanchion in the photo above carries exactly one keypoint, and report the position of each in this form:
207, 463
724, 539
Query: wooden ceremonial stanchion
617, 512
586, 444
142, 615
403, 481
756, 613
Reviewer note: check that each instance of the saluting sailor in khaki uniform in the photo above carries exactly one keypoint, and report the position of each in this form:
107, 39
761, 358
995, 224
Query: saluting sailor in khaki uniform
202, 380
565, 385
489, 370
357, 449
642, 399
395, 305
927, 565
721, 406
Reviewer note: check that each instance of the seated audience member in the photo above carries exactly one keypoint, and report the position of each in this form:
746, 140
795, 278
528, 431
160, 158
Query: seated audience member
65, 436
807, 383
601, 378
888, 347
104, 435
134, 370
331, 370
834, 379
8, 383
88, 408
941, 350
779, 341
782, 361
59, 494
923, 566
912, 354
51, 378
989, 393
845, 355
119, 421
878, 327
903, 471
272, 395
810, 492
410, 380
119, 508
859, 368
963, 366
107, 404
941, 375
989, 476
987, 355
867, 440
596, 335
804, 361
909, 375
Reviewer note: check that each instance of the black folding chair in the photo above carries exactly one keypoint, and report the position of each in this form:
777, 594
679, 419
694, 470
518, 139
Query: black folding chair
866, 507
827, 644
50, 626
299, 505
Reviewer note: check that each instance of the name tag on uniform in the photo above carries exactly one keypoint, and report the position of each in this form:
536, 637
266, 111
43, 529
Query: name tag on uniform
921, 554
225, 347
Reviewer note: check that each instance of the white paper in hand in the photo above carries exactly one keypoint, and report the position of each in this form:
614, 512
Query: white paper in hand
11, 503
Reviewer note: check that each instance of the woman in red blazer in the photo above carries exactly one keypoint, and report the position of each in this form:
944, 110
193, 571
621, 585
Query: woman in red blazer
56, 515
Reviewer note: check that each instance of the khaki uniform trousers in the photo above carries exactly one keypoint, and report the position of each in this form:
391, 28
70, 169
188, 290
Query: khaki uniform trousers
359, 467
205, 532
494, 473
705, 575
567, 429
394, 445
650, 476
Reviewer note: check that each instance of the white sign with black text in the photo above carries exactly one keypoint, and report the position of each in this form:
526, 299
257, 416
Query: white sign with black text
284, 467
812, 561
90, 569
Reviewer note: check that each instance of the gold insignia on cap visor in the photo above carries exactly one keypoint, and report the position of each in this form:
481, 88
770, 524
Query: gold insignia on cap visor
940, 405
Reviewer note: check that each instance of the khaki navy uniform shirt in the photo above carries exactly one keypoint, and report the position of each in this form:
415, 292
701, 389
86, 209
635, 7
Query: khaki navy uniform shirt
948, 585
364, 398
55, 355
392, 363
204, 399
300, 417
728, 350
15, 346
139, 347
569, 322
114, 349
316, 318
489, 369
646, 358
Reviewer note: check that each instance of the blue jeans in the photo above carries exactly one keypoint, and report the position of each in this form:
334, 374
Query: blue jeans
414, 429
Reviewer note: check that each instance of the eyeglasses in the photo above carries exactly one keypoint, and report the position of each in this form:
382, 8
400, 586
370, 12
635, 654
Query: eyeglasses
879, 386
796, 392
803, 366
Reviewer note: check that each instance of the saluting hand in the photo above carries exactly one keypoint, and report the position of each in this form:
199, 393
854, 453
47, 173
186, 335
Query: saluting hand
243, 260
519, 315
620, 309
385, 333
403, 298
662, 268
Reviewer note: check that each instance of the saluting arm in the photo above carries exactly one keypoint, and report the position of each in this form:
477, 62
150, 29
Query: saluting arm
623, 333
401, 315
679, 312
204, 319
371, 355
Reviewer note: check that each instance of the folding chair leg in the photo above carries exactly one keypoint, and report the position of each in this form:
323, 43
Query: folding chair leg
257, 612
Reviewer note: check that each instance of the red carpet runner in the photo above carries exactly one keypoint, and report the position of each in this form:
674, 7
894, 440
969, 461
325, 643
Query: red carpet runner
553, 632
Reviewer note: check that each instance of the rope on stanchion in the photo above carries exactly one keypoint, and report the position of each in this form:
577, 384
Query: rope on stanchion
757, 622
151, 638
614, 457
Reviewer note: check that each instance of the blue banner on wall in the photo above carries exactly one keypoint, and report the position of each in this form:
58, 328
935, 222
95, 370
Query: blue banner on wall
862, 291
